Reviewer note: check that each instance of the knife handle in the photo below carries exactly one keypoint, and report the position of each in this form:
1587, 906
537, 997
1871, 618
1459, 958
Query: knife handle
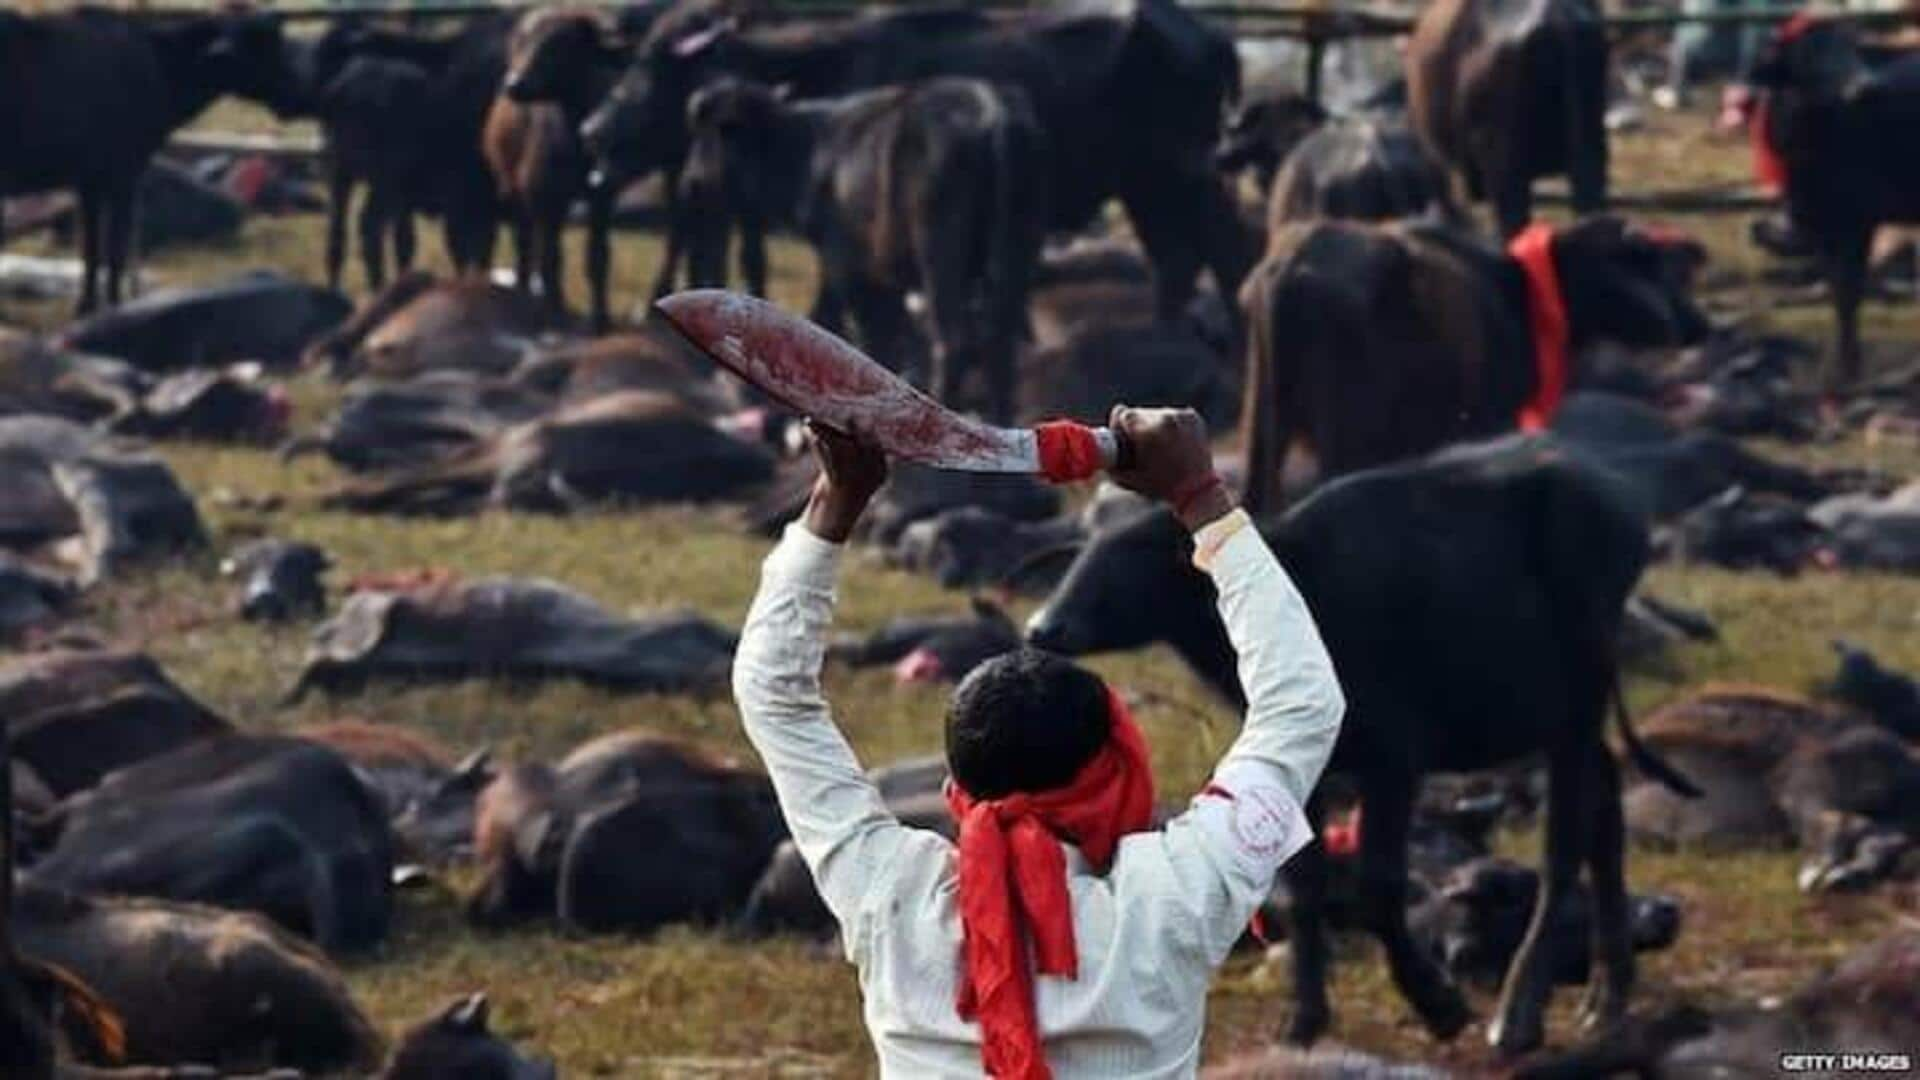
1115, 451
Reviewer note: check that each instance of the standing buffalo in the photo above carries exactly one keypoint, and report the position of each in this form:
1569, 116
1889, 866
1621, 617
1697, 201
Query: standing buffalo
1377, 343
1507, 91
1830, 131
65, 125
1130, 101
935, 186
1416, 575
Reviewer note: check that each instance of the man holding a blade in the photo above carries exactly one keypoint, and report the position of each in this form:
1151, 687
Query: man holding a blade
1062, 935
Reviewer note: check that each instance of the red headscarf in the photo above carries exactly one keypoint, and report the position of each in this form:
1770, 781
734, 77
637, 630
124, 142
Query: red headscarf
1547, 321
1769, 168
1013, 877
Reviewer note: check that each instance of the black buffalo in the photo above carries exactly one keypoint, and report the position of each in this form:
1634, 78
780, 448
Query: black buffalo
936, 186
267, 824
1505, 93
1417, 574
1830, 114
1378, 343
1130, 101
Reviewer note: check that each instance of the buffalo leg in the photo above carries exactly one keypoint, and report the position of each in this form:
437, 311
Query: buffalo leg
885, 329
677, 228
1611, 984
373, 237
1169, 242
1521, 1021
1388, 802
1844, 257
753, 254
90, 249
118, 217
1307, 936
403, 238
599, 258
549, 242
339, 190
522, 250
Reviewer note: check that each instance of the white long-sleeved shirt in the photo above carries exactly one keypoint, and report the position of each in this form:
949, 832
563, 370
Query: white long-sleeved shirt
1150, 931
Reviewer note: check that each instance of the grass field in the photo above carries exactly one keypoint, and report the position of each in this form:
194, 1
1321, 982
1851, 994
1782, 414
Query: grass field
690, 1004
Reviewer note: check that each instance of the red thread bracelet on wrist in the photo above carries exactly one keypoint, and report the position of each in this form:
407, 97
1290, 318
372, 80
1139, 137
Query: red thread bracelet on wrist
1193, 491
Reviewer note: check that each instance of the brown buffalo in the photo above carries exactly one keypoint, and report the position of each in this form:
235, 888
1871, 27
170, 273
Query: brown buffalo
419, 323
1505, 93
624, 448
629, 832
1371, 344
196, 986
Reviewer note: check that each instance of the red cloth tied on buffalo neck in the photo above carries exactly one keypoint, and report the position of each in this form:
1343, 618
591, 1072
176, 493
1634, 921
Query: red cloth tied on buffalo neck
1069, 452
1546, 322
1013, 888
1769, 168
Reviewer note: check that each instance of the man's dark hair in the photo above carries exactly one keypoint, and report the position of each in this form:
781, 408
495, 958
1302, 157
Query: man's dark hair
1024, 721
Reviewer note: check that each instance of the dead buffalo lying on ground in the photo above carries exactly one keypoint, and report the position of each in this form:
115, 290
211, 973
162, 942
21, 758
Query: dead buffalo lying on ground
457, 1042
1474, 922
510, 628
1742, 531
430, 417
1778, 770
1668, 470
279, 580
935, 648
1891, 698
260, 315
109, 506
420, 323
1377, 343
428, 797
193, 985
29, 598
268, 824
887, 186
1506, 93
631, 447
1828, 111
644, 357
1867, 532
226, 405
76, 716
1869, 1004
629, 832
972, 546
1415, 574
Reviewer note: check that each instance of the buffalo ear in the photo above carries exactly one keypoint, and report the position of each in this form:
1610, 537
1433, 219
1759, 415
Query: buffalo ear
468, 1014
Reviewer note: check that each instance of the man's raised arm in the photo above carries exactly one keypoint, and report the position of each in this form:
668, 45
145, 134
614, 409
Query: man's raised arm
838, 820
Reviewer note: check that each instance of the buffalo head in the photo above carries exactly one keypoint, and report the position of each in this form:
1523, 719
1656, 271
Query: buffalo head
1628, 285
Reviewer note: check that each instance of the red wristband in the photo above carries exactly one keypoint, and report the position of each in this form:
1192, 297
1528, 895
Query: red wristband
1193, 491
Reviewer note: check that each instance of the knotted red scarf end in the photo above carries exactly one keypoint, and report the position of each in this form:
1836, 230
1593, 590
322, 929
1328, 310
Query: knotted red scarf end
1013, 888
1547, 322
1069, 452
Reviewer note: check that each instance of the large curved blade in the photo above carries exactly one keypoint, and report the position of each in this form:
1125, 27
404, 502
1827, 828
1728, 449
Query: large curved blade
819, 375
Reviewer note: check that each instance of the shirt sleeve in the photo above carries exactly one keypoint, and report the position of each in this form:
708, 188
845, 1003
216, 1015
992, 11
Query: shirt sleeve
1249, 821
838, 820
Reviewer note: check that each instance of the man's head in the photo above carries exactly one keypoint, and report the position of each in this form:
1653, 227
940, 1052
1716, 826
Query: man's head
1025, 721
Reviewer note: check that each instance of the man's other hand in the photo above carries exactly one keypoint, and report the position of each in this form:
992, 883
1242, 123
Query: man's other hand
850, 472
